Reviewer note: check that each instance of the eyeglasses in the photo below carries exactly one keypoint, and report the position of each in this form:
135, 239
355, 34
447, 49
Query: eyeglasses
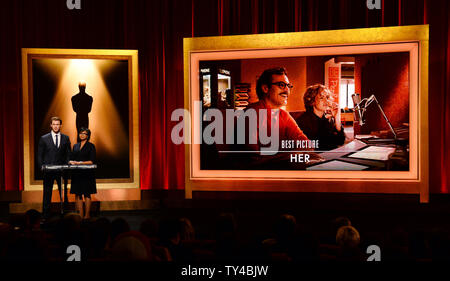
323, 97
282, 85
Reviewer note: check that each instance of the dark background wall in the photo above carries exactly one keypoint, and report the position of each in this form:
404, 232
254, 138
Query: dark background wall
315, 70
392, 91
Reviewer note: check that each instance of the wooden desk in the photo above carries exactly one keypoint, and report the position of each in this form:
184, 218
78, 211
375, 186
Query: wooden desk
345, 152
346, 117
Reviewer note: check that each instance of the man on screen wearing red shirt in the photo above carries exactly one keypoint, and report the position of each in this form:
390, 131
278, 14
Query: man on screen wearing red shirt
273, 90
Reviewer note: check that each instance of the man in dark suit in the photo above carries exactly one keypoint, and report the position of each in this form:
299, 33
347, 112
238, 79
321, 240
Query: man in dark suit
53, 149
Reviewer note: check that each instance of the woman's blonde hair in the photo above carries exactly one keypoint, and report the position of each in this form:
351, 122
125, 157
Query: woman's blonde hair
309, 97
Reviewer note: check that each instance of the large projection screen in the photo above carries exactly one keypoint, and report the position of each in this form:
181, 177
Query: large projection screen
405, 48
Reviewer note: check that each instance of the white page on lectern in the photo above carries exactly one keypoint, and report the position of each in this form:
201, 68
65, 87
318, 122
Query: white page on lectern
374, 153
337, 165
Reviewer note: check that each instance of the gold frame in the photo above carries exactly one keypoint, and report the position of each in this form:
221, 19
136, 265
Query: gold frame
414, 39
28, 144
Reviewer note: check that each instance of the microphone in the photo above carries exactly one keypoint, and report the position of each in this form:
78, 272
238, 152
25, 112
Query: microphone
369, 101
357, 112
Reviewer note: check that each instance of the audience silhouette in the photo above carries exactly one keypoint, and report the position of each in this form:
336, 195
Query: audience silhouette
24, 238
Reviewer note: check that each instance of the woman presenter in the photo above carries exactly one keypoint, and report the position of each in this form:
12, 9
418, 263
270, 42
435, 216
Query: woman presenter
83, 180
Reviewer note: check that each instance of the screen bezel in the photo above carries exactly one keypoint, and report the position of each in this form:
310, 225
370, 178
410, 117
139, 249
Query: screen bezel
412, 39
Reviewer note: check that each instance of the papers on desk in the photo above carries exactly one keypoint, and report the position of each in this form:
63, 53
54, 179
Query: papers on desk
352, 146
374, 153
336, 165
362, 137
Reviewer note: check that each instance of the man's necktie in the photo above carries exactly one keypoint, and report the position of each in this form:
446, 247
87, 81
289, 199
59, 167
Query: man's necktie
57, 141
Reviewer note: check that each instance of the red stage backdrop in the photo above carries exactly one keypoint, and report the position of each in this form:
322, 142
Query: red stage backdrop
156, 29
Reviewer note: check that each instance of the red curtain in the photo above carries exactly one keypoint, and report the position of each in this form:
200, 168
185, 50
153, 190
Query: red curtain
157, 28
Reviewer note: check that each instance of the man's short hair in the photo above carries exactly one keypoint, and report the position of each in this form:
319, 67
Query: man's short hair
309, 98
266, 79
347, 236
55, 118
